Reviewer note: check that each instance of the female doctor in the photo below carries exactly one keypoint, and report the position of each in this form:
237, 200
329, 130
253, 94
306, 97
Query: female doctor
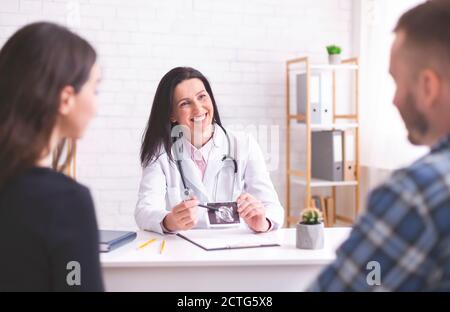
201, 163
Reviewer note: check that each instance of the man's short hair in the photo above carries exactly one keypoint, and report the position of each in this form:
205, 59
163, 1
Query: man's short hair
427, 35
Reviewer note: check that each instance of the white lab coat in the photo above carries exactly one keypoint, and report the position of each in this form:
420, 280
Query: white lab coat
161, 185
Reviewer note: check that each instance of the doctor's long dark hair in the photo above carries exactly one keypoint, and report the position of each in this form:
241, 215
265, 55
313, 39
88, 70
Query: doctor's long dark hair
158, 131
36, 63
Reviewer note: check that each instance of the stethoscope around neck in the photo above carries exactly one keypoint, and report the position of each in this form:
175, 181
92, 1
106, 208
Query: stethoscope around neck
188, 192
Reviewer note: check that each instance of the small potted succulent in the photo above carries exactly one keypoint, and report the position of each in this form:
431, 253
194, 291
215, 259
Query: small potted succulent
310, 229
334, 54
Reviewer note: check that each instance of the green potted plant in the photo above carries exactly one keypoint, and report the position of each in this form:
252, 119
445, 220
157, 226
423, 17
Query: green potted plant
334, 54
310, 229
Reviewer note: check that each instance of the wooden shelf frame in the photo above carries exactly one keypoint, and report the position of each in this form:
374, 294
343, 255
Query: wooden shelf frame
309, 183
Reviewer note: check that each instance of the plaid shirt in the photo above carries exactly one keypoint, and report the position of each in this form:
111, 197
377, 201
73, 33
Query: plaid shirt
406, 229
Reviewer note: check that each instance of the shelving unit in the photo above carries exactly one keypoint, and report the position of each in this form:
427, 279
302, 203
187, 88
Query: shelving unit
303, 178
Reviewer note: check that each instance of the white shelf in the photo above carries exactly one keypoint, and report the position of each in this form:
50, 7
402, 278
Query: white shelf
323, 183
321, 127
334, 67
337, 126
301, 68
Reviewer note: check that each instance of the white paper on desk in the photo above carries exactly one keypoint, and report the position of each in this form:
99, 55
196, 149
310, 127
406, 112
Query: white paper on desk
218, 239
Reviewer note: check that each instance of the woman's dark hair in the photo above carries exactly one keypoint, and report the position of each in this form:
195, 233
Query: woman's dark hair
36, 63
159, 126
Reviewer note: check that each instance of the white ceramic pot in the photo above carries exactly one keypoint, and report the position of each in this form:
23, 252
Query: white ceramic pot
334, 59
309, 236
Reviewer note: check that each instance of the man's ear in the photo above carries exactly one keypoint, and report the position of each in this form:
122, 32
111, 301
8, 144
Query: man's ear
66, 100
430, 85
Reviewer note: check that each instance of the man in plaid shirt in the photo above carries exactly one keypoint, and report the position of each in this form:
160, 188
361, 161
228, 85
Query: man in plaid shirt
404, 237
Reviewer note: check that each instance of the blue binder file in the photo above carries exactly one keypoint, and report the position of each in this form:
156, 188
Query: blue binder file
110, 240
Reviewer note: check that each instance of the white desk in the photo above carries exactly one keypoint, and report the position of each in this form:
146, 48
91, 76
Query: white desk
185, 267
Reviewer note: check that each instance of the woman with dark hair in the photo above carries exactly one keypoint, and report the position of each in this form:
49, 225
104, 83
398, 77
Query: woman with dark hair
48, 229
188, 158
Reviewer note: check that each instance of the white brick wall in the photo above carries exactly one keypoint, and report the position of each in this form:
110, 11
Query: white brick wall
241, 46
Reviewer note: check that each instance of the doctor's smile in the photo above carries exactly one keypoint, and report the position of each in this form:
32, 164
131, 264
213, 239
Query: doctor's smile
199, 118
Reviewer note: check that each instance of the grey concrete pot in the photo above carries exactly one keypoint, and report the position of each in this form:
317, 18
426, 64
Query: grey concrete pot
309, 236
334, 59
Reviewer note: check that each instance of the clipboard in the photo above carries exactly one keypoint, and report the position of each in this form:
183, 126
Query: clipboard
226, 239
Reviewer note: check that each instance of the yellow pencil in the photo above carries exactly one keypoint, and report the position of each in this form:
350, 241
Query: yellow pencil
163, 244
147, 243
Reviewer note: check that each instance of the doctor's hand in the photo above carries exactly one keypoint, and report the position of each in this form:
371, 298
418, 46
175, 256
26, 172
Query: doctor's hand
182, 217
253, 212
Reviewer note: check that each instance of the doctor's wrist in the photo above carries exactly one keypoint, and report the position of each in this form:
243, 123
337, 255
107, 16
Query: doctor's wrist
168, 224
266, 227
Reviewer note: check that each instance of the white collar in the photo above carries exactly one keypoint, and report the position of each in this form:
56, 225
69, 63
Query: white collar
216, 141
199, 153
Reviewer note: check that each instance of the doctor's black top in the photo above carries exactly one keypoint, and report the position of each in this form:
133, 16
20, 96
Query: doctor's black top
48, 234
